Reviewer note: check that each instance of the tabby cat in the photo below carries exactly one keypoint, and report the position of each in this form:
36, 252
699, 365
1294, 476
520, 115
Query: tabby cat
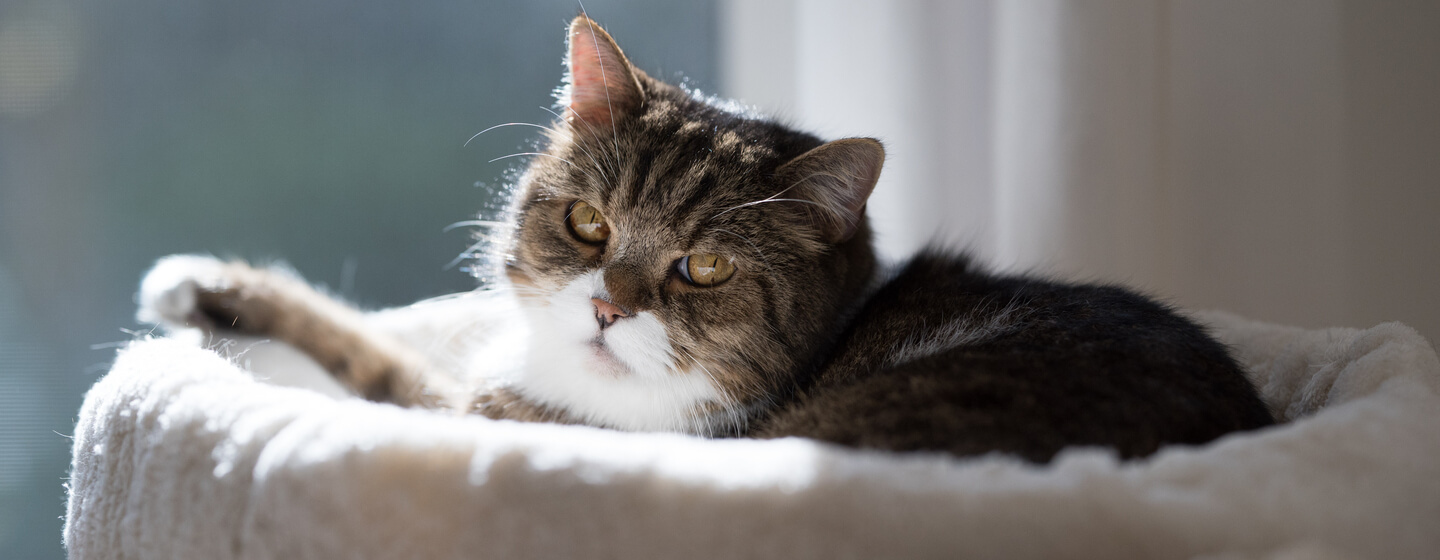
672, 263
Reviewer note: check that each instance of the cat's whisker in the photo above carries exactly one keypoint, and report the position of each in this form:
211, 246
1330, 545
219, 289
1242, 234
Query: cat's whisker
527, 290
830, 174
557, 115
579, 117
614, 158
753, 247
571, 163
476, 223
731, 411
469, 253
550, 130
478, 292
477, 134
688, 355
768, 198
612, 163
532, 154
604, 78
608, 184
757, 202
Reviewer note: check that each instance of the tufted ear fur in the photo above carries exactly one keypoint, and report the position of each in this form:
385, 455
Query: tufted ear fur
600, 85
837, 177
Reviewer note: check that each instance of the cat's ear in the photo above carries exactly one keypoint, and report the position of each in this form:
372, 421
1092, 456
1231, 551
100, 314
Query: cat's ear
837, 177
600, 86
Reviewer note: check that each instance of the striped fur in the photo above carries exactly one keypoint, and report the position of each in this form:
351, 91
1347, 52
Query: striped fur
675, 174
806, 338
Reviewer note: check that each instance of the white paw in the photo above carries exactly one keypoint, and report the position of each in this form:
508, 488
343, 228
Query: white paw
169, 291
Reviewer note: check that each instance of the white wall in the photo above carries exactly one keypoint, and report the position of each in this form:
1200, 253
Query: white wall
860, 68
1278, 159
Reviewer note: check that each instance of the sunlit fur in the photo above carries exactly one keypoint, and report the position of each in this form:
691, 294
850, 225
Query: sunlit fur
630, 381
941, 356
676, 176
804, 339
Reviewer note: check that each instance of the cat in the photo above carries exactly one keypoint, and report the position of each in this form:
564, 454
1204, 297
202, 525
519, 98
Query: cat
674, 263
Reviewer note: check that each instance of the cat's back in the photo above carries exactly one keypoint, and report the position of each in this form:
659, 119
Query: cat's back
949, 358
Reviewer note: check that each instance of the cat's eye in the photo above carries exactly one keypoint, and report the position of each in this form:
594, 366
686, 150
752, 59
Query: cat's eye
586, 223
705, 270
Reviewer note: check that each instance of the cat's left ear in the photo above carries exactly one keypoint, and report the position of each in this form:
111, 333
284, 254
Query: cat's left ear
837, 177
601, 86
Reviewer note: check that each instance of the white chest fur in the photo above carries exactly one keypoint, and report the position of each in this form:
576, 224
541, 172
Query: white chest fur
623, 377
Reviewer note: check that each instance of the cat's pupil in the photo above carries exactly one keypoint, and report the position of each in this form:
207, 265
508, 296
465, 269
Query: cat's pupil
706, 269
587, 224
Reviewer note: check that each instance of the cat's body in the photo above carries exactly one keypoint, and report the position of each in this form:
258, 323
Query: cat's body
676, 265
1020, 365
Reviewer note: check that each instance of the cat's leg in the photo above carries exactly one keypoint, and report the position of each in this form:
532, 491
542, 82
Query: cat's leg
214, 295
468, 336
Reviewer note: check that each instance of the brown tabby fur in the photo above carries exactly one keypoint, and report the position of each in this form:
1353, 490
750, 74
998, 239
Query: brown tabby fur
807, 338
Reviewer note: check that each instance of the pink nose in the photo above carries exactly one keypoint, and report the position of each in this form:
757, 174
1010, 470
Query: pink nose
607, 313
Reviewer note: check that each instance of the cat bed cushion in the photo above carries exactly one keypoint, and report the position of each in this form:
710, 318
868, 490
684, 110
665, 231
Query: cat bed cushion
181, 454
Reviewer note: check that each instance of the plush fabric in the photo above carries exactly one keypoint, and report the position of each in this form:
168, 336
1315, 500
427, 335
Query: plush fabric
181, 454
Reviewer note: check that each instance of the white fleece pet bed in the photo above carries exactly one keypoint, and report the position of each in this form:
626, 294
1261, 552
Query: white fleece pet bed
181, 454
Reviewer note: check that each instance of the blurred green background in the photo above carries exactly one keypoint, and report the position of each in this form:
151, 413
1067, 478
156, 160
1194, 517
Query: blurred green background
328, 134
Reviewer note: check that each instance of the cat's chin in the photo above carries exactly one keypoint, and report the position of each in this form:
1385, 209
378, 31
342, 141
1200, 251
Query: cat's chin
624, 376
604, 362
591, 382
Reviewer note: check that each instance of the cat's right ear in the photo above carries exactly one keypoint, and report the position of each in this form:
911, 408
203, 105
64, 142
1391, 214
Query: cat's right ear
600, 86
837, 178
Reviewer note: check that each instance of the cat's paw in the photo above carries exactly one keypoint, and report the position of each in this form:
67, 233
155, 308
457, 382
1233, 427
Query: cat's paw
171, 292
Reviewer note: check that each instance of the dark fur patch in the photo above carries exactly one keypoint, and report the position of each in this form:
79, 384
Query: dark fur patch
672, 179
1057, 365
942, 357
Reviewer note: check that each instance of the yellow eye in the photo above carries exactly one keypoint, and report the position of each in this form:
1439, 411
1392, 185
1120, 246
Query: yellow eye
705, 270
587, 224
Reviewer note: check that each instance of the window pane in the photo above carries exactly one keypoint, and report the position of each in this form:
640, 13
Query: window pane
329, 134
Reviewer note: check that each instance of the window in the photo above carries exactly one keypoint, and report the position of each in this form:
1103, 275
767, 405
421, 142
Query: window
329, 134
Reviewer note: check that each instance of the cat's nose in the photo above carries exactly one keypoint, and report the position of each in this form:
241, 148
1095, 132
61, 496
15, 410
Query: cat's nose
607, 313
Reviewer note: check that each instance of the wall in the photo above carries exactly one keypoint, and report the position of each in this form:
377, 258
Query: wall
1276, 159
